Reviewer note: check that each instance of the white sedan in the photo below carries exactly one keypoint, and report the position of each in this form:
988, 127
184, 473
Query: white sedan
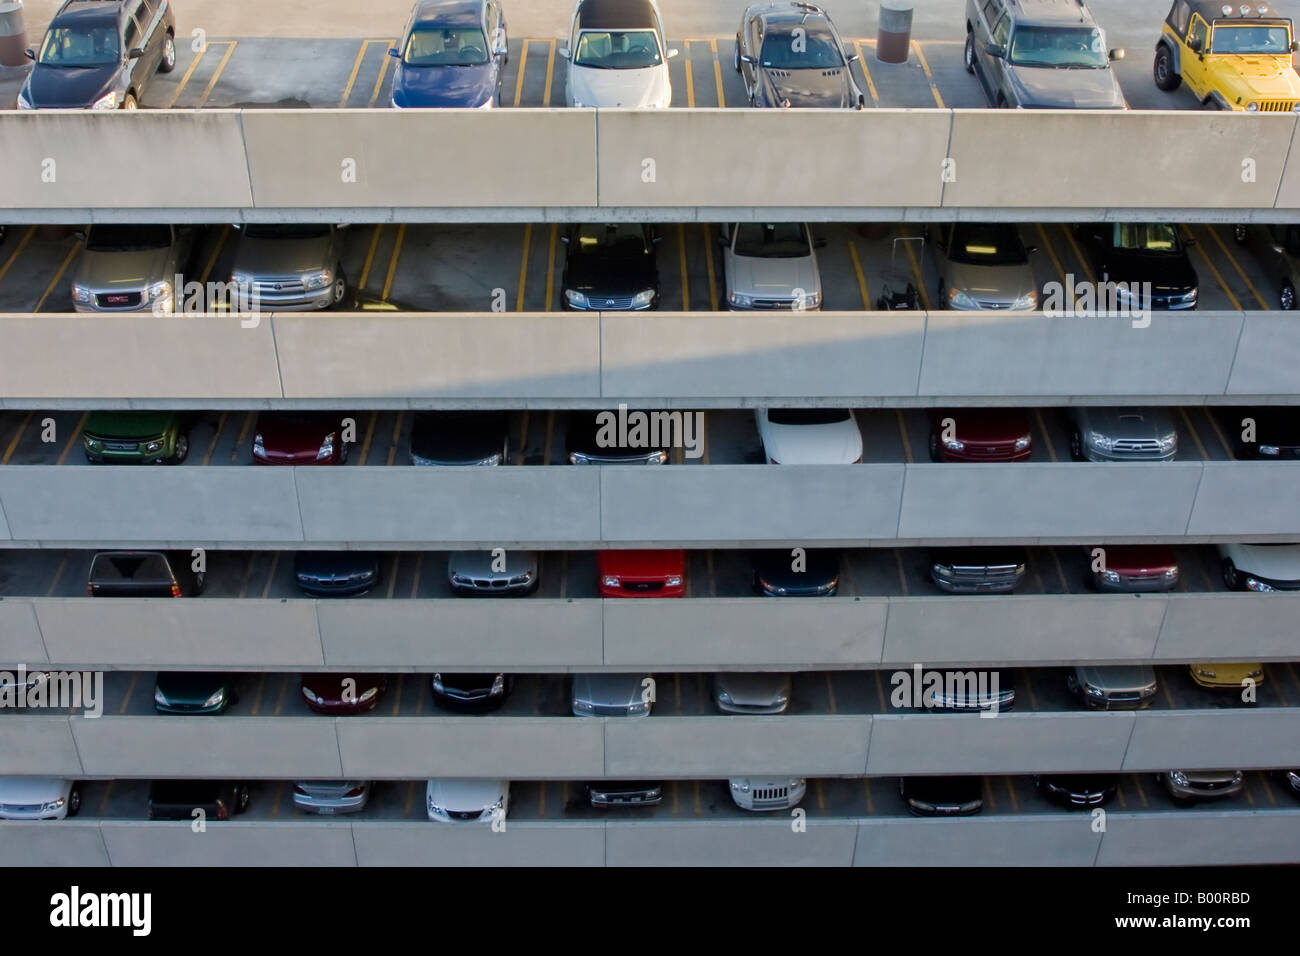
809, 436
617, 55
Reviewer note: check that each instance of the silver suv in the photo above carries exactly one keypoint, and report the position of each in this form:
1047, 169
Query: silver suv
1041, 54
1123, 434
130, 268
771, 266
290, 267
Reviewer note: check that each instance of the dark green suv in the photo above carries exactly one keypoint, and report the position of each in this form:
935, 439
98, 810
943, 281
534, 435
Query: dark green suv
132, 438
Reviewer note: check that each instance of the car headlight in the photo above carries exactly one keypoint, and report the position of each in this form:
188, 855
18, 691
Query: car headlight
153, 447
642, 299
960, 300
1269, 450
740, 301
159, 697
673, 581
489, 461
724, 697
741, 785
611, 581
326, 447
1252, 584
1098, 440
1168, 443
498, 686
242, 279
780, 700
1179, 778
312, 696
1252, 107
1027, 301
1171, 574
1094, 691
82, 295
318, 279
638, 706
160, 289
259, 449
24, 100
52, 805
488, 105
1147, 691
106, 102
94, 444
796, 783
1109, 576
943, 570
217, 697
368, 695
576, 299
952, 444
812, 301
1023, 443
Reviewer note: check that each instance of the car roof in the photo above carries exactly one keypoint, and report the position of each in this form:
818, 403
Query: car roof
789, 12
450, 13
617, 15
1058, 12
1213, 9
89, 10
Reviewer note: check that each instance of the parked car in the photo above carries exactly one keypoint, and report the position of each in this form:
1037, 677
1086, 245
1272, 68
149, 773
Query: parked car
996, 692
1232, 57
133, 438
130, 267
38, 798
100, 55
636, 573
1117, 687
988, 570
471, 692
144, 574
449, 800
1131, 253
617, 55
586, 445
983, 266
942, 796
981, 434
178, 799
453, 53
325, 574
767, 793
340, 694
193, 692
1120, 433
1292, 779
611, 267
603, 794
459, 438
1187, 786
790, 54
299, 438
611, 695
1263, 567
1041, 54
1078, 791
1276, 432
771, 266
330, 797
1218, 675
763, 692
809, 436
15, 682
1277, 247
473, 573
775, 574
1136, 569
289, 267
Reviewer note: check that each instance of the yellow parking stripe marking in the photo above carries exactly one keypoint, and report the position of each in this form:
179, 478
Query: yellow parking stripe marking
830, 692
415, 578
862, 278
681, 258
1268, 792
419, 701
989, 798
1060, 571
690, 78
1218, 434
1227, 252
821, 794
356, 68
397, 695
550, 266
370, 436
916, 271
13, 443
103, 801
550, 430
523, 438
410, 799
717, 71
713, 581
270, 574
370, 259
1078, 254
1015, 804
1168, 695
1218, 277
1290, 669
243, 436
523, 266
392, 263
58, 276
902, 574
277, 800
1033, 698
550, 74
1245, 788
72, 439
1142, 793
283, 695
871, 88
925, 68
541, 799
699, 809
383, 72
1119, 795
1051, 252
13, 256
54, 582
257, 701
185, 78
880, 693
392, 575
216, 252
674, 790
130, 690
216, 435
708, 265
519, 80
902, 433
398, 420
230, 49
1200, 447
1047, 436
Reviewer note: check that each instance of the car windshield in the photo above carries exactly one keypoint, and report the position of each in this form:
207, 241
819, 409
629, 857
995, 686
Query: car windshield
804, 50
1147, 236
1070, 47
771, 240
433, 46
807, 416
81, 46
618, 50
115, 238
988, 245
301, 230
619, 239
1239, 38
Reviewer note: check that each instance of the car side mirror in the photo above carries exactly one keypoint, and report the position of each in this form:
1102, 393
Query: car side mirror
746, 58
79, 235
673, 52
1294, 46
501, 50
1117, 53
30, 54
655, 240
1194, 44
565, 52
852, 58
564, 239
995, 50
1031, 249
135, 53
393, 52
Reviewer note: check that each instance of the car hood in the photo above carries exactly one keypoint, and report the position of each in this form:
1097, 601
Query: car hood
282, 257
295, 432
1136, 558
1119, 677
965, 789
1048, 88
990, 282
985, 425
773, 278
178, 686
334, 563
837, 443
132, 269
1164, 271
1211, 776
599, 275
760, 689
29, 790
127, 424
606, 88
1132, 423
465, 795
330, 686
611, 689
1259, 76
774, 566
650, 564
443, 86
1280, 562
479, 563
56, 87
807, 88
1230, 673
455, 437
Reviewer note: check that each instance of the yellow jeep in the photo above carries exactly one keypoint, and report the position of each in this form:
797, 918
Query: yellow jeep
1233, 57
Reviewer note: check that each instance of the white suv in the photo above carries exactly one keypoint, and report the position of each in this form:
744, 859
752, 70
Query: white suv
770, 266
767, 793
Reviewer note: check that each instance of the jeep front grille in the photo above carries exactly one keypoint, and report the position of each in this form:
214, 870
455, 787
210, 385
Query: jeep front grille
1276, 106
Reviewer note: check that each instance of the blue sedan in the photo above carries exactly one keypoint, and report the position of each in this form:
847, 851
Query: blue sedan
453, 53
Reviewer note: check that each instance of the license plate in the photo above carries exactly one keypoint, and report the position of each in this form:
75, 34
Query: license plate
325, 811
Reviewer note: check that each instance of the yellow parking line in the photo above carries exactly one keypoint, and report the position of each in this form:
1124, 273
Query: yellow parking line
356, 68
866, 74
1168, 695
550, 266
1015, 804
925, 68
370, 258
13, 256
277, 800
1218, 277
398, 420
1119, 795
67, 261
270, 574
397, 695
1033, 698
370, 437
1142, 793
13, 443
72, 439
410, 799
230, 49
392, 263
1227, 251
185, 78
519, 81
699, 809
866, 789
821, 794
212, 260
1290, 669
54, 582
379, 80
862, 278
880, 693
1245, 788
415, 578
1200, 447
1222, 438
392, 575
1047, 436
257, 700
1051, 252
243, 436
130, 690
550, 74
902, 573
523, 266
681, 258
1268, 792
103, 801
830, 691
902, 433
708, 265
989, 797
916, 271
212, 445
690, 76
523, 437
1078, 253
674, 791
283, 695
550, 431
717, 72
541, 799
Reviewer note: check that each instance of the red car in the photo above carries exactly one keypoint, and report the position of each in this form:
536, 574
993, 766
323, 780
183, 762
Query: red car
981, 434
299, 438
342, 693
1134, 568
659, 574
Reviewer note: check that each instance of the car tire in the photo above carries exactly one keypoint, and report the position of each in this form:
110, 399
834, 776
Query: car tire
168, 61
340, 288
182, 450
1166, 76
1286, 297
200, 578
1231, 576
129, 102
74, 801
969, 55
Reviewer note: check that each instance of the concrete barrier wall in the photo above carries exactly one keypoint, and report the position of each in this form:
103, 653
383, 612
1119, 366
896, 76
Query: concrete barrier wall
705, 360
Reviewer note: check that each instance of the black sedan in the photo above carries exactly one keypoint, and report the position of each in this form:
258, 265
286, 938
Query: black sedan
611, 267
797, 572
791, 55
1078, 790
1132, 253
335, 573
942, 796
1268, 433
459, 438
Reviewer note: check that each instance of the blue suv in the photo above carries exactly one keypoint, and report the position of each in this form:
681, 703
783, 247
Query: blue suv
453, 53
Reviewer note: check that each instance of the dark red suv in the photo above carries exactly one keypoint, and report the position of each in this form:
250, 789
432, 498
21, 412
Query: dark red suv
657, 574
980, 434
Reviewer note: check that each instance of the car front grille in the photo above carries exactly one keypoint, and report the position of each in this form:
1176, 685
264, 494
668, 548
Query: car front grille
1136, 446
118, 300
286, 285
613, 303
1276, 106
608, 710
337, 583
642, 587
20, 808
492, 584
991, 451
994, 304
983, 575
121, 446
464, 814
774, 305
1171, 298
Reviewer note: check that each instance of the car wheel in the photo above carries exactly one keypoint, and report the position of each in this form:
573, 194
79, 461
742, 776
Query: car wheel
1231, 577
1166, 77
182, 449
1076, 446
169, 55
74, 801
934, 447
129, 102
200, 578
969, 56
340, 288
1286, 298
1239, 234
